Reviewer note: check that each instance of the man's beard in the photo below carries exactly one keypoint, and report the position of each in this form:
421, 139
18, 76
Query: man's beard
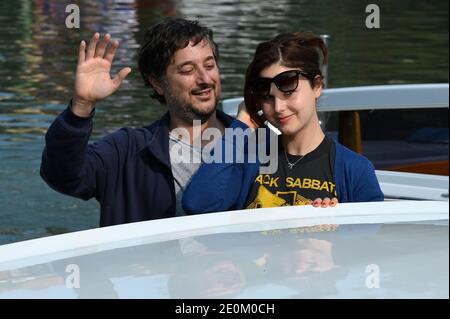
189, 113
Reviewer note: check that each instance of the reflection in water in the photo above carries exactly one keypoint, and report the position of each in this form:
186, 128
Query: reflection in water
38, 56
282, 264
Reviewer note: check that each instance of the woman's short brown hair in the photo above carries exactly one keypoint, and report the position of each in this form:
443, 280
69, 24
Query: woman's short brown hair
300, 50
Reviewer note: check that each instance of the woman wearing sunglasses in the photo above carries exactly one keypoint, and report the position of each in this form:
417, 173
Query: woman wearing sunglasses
283, 83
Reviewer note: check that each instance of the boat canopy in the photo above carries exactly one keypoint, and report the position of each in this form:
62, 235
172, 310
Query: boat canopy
402, 96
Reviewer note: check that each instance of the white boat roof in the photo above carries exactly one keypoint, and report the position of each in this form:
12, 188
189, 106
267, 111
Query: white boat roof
230, 254
402, 96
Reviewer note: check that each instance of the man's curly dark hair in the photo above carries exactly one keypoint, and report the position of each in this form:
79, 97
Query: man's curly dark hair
161, 42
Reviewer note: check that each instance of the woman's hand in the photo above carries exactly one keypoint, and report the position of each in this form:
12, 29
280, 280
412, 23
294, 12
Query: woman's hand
318, 202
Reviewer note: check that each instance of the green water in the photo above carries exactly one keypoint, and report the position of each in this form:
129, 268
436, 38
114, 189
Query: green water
38, 56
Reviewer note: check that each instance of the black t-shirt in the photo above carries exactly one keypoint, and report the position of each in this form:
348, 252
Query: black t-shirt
310, 177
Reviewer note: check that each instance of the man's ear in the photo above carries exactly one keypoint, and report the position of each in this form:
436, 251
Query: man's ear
156, 84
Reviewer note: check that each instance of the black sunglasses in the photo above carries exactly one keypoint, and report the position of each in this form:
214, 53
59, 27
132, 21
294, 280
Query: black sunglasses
286, 82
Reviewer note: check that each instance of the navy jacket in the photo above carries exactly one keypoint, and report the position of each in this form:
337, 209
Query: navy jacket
226, 186
128, 171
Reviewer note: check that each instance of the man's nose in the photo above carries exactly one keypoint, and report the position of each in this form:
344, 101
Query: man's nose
203, 76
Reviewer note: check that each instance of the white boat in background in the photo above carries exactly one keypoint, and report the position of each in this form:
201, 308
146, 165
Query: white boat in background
402, 96
399, 185
398, 127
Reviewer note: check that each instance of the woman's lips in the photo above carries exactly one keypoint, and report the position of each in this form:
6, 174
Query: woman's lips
284, 119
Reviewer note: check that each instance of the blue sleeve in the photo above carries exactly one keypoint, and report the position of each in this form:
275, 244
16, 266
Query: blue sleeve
221, 185
73, 167
215, 187
367, 188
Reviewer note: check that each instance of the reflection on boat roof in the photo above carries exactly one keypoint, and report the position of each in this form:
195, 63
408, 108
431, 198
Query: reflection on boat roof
286, 252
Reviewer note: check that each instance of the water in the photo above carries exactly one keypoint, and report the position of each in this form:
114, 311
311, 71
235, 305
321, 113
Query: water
38, 57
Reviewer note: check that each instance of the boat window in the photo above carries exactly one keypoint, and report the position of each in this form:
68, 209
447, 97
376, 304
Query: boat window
412, 140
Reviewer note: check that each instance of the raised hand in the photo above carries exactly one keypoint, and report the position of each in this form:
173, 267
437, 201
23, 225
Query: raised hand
93, 81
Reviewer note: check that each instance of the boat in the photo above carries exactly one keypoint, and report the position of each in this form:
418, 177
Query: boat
398, 127
353, 250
